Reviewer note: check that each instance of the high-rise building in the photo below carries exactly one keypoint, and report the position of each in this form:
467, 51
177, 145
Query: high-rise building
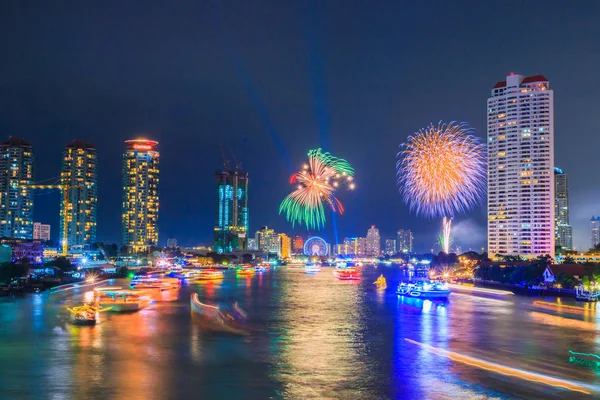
285, 245
231, 220
354, 246
520, 167
41, 231
141, 165
373, 242
595, 228
252, 244
16, 199
298, 245
171, 243
79, 203
563, 233
405, 241
390, 246
268, 241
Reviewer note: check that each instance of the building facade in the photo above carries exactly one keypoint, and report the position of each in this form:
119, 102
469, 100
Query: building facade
373, 243
16, 199
298, 244
268, 241
390, 246
405, 241
595, 231
41, 231
285, 246
354, 246
171, 243
520, 167
231, 220
563, 233
80, 200
141, 166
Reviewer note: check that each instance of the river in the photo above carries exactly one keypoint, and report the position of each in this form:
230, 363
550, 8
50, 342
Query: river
314, 337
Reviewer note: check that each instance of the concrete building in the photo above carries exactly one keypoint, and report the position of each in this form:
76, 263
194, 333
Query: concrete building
563, 233
520, 134
41, 231
141, 166
285, 246
373, 242
298, 244
16, 199
171, 243
268, 241
390, 246
78, 206
595, 231
405, 241
31, 250
231, 218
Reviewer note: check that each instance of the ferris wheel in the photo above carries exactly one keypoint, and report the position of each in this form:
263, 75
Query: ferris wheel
315, 246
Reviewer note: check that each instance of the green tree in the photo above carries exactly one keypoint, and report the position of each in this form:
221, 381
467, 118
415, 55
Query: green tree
61, 262
10, 271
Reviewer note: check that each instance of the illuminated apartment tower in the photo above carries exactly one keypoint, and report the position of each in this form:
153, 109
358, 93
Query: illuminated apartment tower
140, 194
595, 229
405, 241
373, 242
521, 167
562, 229
16, 201
285, 245
231, 220
78, 206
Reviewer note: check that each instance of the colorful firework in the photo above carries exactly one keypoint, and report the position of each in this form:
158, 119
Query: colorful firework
316, 183
445, 239
441, 170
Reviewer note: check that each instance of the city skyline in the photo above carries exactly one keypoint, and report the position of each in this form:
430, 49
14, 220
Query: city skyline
285, 104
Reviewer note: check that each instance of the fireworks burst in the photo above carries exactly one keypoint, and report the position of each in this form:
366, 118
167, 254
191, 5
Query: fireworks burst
441, 171
316, 183
445, 239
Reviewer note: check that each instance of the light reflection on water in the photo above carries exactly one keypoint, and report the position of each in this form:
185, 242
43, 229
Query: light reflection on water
313, 337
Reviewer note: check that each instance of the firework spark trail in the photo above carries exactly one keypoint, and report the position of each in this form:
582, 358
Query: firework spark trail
445, 238
441, 170
317, 182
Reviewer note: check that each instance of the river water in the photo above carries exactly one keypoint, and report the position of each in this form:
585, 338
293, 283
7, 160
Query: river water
314, 337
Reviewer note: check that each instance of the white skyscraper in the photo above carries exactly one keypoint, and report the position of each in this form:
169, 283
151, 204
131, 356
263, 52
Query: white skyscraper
373, 242
521, 167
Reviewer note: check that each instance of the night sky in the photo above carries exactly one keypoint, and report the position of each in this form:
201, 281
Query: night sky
274, 79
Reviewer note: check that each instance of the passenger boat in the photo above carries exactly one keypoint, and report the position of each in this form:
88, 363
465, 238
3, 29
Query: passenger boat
122, 300
347, 274
213, 318
154, 281
586, 295
310, 268
425, 290
381, 282
209, 275
245, 271
585, 359
84, 315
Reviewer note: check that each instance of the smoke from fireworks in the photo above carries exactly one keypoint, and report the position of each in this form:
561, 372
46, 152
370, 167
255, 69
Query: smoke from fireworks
441, 170
316, 183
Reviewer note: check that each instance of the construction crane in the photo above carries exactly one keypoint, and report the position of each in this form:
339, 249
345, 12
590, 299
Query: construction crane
64, 189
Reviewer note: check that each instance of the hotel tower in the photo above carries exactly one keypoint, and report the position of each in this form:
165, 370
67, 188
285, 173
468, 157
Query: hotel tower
521, 167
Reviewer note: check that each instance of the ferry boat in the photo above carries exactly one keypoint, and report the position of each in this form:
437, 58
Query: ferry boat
381, 282
586, 295
122, 300
245, 271
347, 274
154, 281
84, 315
213, 318
209, 275
424, 289
310, 268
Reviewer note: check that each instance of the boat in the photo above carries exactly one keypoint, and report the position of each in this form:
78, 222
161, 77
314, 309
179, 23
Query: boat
585, 359
586, 295
424, 289
209, 275
245, 271
381, 282
84, 315
213, 318
154, 281
309, 268
122, 300
347, 274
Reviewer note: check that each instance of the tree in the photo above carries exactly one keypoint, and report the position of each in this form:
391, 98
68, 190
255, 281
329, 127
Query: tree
61, 262
10, 271
569, 260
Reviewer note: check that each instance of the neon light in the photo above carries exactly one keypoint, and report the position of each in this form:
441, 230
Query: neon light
142, 147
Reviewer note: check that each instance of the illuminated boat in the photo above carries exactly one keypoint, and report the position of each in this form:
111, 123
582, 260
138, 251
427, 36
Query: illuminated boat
84, 315
310, 268
213, 318
347, 274
381, 282
586, 295
122, 300
154, 281
263, 267
245, 271
209, 275
425, 290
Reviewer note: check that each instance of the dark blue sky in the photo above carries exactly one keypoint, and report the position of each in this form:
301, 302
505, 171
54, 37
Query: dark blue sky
275, 79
